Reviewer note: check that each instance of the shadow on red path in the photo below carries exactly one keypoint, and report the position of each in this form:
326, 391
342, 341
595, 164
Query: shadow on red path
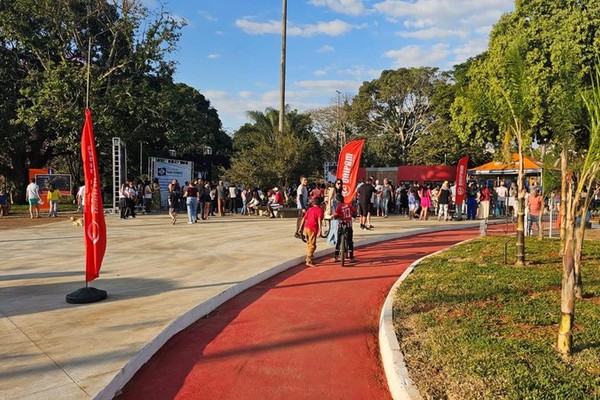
307, 333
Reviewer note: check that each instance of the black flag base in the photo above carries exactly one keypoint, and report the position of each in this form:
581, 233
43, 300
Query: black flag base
86, 295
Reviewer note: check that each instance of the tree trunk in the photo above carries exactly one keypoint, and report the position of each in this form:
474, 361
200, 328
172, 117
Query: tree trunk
520, 210
541, 221
563, 198
578, 248
564, 344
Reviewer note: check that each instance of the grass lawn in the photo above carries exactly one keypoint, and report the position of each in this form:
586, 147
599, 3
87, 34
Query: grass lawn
472, 328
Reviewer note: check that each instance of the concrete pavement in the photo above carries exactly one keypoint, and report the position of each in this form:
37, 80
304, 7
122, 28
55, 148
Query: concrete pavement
159, 277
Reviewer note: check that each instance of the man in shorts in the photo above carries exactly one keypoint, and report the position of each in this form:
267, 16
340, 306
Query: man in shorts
365, 193
301, 204
32, 195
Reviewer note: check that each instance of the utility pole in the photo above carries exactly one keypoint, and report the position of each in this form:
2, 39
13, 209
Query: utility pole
338, 126
282, 76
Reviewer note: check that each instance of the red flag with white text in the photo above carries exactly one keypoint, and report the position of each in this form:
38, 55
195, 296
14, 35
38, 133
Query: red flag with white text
348, 164
94, 224
461, 180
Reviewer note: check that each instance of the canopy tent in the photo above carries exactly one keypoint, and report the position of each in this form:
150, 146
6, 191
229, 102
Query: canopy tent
426, 173
530, 167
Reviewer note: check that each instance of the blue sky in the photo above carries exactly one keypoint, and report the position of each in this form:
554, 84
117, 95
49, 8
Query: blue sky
230, 50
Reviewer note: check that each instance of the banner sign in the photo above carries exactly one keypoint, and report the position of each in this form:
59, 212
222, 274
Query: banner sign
348, 164
94, 226
166, 170
61, 181
461, 180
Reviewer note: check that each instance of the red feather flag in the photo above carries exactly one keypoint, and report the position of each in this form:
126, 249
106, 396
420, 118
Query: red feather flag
461, 180
348, 164
94, 223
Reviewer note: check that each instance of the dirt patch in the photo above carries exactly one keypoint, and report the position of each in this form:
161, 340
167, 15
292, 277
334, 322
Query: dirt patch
23, 221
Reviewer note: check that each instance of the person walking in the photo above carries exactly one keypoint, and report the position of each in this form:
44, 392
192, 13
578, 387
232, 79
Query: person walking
131, 198
32, 195
221, 198
365, 195
386, 197
53, 198
191, 201
123, 201
425, 195
232, 199
174, 199
534, 204
485, 197
472, 202
443, 202
301, 204
147, 198
311, 224
330, 208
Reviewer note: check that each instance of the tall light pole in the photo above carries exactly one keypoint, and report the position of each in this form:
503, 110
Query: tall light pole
282, 76
337, 130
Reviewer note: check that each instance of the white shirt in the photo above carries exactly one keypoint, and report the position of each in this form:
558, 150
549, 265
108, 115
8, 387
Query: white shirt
81, 194
33, 191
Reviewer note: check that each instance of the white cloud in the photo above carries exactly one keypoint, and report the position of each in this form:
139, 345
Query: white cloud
434, 33
245, 94
326, 49
207, 16
331, 28
213, 56
320, 72
349, 7
436, 19
416, 56
468, 50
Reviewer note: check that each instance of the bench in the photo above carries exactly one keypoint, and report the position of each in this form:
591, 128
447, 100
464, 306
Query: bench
286, 212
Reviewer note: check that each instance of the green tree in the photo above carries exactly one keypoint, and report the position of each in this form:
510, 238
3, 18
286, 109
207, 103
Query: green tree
132, 94
393, 112
264, 157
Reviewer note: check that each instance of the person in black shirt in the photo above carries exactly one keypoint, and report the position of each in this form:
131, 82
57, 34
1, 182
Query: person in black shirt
365, 193
443, 202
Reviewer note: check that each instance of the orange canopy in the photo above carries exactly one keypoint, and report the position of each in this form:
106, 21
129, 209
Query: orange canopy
512, 168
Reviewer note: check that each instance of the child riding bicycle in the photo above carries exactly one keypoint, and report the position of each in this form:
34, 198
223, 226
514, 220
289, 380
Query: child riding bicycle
344, 212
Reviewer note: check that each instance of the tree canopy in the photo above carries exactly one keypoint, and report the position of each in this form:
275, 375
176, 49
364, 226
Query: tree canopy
44, 59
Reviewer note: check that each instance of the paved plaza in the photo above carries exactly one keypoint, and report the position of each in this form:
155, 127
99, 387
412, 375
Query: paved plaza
159, 278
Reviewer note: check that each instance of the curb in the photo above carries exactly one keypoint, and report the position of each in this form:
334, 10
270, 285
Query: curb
400, 385
143, 356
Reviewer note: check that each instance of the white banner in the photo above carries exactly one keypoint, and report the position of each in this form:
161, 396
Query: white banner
167, 170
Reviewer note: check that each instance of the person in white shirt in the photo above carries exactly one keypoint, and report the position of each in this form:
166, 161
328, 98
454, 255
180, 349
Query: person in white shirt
32, 195
81, 198
501, 196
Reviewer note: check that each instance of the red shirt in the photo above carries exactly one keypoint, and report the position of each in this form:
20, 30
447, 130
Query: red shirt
344, 212
279, 198
535, 204
312, 218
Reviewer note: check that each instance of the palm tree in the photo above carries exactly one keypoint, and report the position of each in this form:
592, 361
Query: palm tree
509, 86
577, 205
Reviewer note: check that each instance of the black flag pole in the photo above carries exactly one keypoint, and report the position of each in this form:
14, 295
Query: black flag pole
89, 294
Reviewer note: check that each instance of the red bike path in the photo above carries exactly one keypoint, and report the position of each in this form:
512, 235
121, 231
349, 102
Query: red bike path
307, 333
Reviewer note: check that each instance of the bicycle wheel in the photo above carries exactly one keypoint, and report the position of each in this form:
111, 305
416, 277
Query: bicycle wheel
325, 227
343, 250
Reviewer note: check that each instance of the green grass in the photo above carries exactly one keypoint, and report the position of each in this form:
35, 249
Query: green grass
472, 328
24, 208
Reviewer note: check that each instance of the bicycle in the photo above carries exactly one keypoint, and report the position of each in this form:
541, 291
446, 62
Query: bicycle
343, 238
